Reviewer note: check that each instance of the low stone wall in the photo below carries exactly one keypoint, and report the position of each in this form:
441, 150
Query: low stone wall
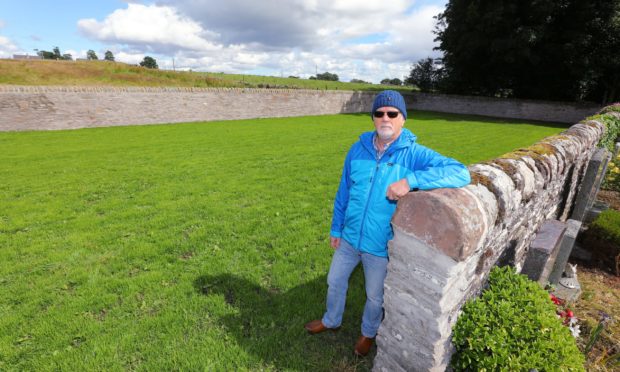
563, 112
49, 107
36, 108
446, 241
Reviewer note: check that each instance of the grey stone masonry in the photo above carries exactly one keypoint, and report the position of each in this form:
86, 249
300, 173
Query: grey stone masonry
65, 107
543, 251
568, 242
423, 289
505, 108
49, 108
592, 182
446, 241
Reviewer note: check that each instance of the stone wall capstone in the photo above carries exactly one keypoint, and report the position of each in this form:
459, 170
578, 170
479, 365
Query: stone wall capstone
446, 241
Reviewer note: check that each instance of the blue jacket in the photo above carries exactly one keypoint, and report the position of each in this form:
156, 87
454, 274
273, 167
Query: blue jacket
362, 211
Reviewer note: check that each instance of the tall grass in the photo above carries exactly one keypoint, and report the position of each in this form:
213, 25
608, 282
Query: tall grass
104, 73
191, 246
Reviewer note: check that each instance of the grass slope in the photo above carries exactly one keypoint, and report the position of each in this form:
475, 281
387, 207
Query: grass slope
188, 247
103, 73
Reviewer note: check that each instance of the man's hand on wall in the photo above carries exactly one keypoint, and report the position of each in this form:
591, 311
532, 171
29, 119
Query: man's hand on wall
398, 189
334, 242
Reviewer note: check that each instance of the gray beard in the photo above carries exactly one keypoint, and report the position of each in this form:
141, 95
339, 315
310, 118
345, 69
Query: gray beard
384, 136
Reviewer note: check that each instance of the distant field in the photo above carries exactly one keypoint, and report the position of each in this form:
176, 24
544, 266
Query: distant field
191, 246
48, 72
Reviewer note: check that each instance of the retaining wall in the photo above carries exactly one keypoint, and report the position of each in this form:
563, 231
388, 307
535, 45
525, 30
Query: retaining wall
33, 108
49, 107
562, 112
447, 240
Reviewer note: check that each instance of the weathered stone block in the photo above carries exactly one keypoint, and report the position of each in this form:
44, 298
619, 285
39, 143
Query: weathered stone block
543, 251
449, 220
566, 247
590, 184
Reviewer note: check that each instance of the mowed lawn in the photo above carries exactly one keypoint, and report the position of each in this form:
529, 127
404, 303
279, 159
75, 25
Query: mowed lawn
199, 246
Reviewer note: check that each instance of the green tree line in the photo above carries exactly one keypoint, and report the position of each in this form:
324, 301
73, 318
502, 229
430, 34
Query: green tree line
550, 50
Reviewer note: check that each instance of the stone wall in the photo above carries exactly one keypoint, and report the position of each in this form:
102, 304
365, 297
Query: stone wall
48, 107
34, 108
562, 112
446, 241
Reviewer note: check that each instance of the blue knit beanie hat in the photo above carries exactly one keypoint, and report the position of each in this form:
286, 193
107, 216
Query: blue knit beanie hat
390, 98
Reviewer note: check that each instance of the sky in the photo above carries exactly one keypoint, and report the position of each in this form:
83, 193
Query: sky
356, 39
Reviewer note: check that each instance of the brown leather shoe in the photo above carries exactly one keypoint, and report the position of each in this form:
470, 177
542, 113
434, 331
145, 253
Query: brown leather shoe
317, 326
362, 347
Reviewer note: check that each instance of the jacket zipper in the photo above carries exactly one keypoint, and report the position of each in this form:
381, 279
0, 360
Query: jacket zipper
372, 185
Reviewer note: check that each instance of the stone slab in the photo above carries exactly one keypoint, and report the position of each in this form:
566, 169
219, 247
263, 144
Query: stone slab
566, 248
543, 251
589, 184
592, 213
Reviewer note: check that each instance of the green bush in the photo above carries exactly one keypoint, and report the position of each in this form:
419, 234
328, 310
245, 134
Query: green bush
612, 124
607, 226
611, 108
513, 326
612, 178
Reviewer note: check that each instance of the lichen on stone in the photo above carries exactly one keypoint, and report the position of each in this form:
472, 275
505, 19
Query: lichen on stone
508, 168
480, 179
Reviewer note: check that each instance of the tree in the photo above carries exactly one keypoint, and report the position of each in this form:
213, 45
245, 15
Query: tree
602, 83
108, 56
91, 55
388, 81
149, 62
543, 50
54, 54
57, 54
327, 76
425, 74
359, 81
46, 54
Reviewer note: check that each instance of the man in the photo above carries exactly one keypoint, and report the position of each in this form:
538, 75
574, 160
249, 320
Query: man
383, 166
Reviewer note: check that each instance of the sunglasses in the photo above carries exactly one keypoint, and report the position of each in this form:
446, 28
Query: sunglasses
390, 114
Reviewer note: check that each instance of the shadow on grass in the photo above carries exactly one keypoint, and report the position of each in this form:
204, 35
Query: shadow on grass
269, 323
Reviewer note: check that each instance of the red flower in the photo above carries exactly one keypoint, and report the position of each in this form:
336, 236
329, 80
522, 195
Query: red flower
555, 300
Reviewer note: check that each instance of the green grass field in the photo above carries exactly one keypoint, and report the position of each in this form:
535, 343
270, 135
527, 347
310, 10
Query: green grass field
197, 246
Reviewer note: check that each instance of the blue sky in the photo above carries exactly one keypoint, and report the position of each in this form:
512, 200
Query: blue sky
368, 40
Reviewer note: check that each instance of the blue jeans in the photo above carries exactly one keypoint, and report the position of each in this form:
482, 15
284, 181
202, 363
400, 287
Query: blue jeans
345, 259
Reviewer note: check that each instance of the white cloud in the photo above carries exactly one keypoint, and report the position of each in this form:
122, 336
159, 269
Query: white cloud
368, 40
161, 28
131, 58
7, 48
414, 34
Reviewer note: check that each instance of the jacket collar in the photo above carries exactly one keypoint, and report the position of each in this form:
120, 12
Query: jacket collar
405, 139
